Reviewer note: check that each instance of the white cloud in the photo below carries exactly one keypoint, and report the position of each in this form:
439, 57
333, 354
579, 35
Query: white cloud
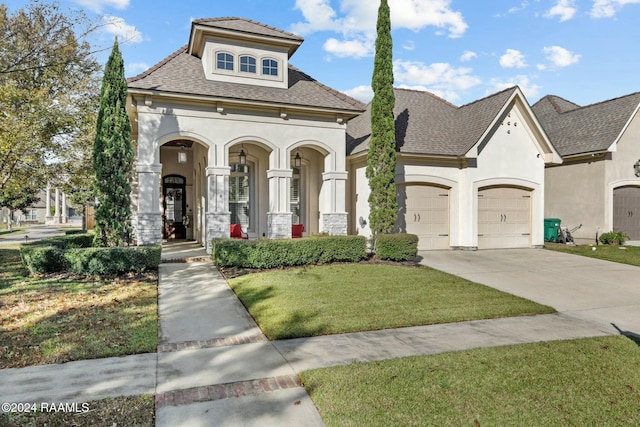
468, 55
136, 68
349, 48
356, 19
560, 57
530, 89
523, 5
99, 5
409, 45
608, 8
513, 59
564, 9
118, 27
440, 78
362, 93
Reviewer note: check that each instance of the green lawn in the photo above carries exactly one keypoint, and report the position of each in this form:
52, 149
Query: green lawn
622, 254
59, 318
587, 382
340, 298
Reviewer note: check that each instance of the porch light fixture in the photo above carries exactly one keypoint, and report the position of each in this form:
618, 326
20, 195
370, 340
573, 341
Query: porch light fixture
182, 156
297, 161
636, 167
243, 157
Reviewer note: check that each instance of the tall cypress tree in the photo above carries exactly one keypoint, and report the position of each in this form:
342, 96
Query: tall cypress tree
113, 157
381, 158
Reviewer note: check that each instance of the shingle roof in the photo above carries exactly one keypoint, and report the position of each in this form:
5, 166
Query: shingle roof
580, 130
427, 124
247, 26
181, 73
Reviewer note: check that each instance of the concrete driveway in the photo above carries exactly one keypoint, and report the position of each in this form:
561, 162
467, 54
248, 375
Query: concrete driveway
599, 291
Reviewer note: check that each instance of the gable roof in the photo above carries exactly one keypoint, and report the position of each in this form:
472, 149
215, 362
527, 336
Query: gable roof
575, 130
427, 124
182, 74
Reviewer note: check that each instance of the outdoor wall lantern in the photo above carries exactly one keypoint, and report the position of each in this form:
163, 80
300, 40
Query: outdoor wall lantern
243, 157
636, 167
182, 156
297, 161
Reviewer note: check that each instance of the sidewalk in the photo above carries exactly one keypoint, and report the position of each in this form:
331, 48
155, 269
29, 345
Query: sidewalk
215, 367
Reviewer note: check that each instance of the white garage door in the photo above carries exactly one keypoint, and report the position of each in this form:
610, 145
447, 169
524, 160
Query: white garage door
424, 211
504, 218
626, 211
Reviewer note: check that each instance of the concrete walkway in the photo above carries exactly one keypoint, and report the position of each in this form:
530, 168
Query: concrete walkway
215, 367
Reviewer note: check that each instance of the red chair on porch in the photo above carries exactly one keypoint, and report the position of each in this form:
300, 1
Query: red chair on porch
296, 230
235, 232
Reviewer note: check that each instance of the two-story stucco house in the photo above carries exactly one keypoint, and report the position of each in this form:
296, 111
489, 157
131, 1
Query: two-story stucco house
228, 132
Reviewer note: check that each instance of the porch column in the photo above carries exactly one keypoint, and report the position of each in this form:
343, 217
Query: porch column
218, 216
148, 220
64, 215
333, 213
56, 215
279, 216
48, 219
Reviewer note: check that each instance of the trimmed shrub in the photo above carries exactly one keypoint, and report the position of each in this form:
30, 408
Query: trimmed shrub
43, 259
613, 238
74, 240
396, 247
267, 253
113, 261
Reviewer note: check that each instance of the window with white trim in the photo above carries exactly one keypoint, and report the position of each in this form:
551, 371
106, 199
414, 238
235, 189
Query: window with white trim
239, 195
31, 215
224, 61
269, 67
247, 64
294, 198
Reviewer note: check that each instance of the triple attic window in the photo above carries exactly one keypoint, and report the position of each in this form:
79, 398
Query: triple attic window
247, 64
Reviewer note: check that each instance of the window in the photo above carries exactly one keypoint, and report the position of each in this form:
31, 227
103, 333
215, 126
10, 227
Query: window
239, 195
224, 61
294, 201
248, 64
269, 67
31, 215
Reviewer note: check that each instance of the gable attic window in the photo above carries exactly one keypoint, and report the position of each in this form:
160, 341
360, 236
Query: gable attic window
269, 67
224, 61
248, 64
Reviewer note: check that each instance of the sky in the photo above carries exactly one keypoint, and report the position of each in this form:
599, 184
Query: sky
460, 50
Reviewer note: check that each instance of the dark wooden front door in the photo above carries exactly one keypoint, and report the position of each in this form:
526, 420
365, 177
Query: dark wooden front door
174, 205
626, 211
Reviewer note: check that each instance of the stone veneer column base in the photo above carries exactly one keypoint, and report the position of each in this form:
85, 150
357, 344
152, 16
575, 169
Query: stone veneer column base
279, 225
334, 223
217, 227
148, 228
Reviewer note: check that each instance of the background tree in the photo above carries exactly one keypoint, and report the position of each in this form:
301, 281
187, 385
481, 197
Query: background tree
381, 158
113, 157
48, 87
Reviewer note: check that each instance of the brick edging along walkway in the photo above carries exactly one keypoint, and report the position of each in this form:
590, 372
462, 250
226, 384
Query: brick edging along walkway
215, 342
225, 391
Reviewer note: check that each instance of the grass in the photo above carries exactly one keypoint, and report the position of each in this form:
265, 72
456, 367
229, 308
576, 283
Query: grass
120, 411
341, 298
60, 318
584, 382
622, 254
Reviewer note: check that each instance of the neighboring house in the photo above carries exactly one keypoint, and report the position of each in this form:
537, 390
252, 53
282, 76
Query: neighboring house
467, 177
220, 125
228, 132
52, 208
597, 187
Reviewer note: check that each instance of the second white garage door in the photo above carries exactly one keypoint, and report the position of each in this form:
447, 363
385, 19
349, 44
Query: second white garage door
424, 211
504, 218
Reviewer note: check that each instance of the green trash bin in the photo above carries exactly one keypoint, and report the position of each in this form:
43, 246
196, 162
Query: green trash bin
551, 227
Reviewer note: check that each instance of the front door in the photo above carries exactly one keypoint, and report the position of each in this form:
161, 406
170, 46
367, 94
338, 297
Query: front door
174, 205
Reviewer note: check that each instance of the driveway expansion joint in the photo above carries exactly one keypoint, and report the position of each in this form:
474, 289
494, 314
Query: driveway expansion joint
210, 343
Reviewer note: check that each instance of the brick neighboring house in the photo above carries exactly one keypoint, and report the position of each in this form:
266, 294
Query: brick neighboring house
597, 186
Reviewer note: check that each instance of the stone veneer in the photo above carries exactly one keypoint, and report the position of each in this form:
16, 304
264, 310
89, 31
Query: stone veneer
279, 225
217, 226
334, 223
148, 228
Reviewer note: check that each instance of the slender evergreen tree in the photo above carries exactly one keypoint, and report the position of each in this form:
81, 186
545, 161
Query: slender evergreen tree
381, 158
113, 157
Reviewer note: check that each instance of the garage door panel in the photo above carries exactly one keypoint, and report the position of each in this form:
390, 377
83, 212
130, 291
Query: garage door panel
427, 215
504, 217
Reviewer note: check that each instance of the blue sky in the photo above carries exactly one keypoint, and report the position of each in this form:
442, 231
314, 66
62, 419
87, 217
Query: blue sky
581, 50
